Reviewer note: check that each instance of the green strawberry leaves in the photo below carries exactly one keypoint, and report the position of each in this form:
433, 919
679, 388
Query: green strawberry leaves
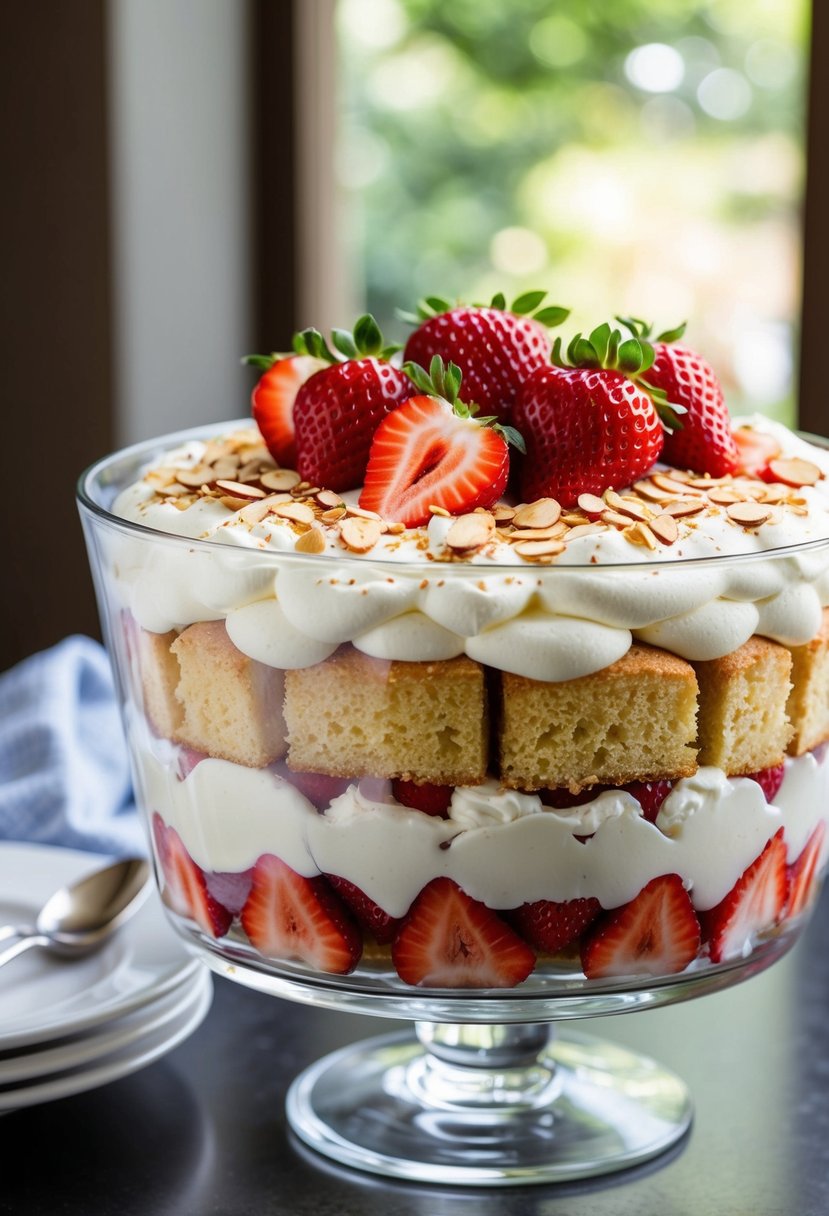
525, 305
444, 381
364, 342
606, 348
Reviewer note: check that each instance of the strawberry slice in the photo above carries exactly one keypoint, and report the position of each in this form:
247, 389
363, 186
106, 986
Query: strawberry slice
551, 926
802, 874
755, 903
287, 916
230, 888
754, 451
185, 885
273, 399
657, 933
433, 451
319, 788
370, 915
769, 780
650, 795
428, 798
449, 940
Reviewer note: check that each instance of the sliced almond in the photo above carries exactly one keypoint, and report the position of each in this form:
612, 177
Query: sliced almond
585, 530
670, 483
434, 509
648, 490
312, 541
224, 468
749, 514
327, 498
296, 512
625, 506
333, 515
795, 472
706, 483
234, 503
470, 532
280, 479
361, 512
640, 534
554, 533
591, 504
724, 497
255, 512
680, 507
614, 518
665, 529
532, 550
159, 478
196, 477
773, 493
251, 470
542, 513
503, 514
236, 489
360, 535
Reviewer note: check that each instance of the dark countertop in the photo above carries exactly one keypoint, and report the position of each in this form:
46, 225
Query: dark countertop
203, 1131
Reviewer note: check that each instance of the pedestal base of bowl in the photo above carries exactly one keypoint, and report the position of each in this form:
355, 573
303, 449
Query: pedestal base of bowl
481, 1105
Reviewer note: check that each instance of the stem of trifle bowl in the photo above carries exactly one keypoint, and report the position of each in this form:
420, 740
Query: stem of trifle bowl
484, 796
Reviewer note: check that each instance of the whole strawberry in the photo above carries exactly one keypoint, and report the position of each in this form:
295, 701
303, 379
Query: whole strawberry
273, 397
587, 423
495, 347
703, 441
338, 409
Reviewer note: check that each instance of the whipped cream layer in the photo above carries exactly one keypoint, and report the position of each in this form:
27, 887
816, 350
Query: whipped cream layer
502, 847
407, 600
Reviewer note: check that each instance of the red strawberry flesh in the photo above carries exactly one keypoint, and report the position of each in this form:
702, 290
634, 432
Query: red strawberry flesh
552, 926
369, 914
704, 442
753, 905
656, 934
769, 780
273, 400
802, 875
288, 916
449, 940
185, 884
428, 798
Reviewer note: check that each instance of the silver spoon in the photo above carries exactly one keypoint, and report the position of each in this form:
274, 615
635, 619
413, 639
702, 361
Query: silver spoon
79, 918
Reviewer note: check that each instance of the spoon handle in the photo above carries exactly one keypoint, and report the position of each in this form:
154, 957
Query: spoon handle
25, 943
8, 931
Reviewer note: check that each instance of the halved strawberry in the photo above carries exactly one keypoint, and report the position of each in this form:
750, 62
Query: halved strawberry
230, 888
657, 933
428, 798
755, 903
802, 874
551, 926
769, 780
433, 451
650, 795
496, 347
754, 450
185, 886
319, 788
449, 940
370, 915
287, 916
273, 400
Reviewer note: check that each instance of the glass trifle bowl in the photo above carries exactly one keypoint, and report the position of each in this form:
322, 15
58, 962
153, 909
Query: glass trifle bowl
488, 775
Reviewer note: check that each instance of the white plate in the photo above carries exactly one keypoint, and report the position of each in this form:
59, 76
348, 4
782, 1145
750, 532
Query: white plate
114, 1064
28, 1063
43, 997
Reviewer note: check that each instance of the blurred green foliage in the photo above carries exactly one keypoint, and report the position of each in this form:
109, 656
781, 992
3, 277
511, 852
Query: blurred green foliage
488, 145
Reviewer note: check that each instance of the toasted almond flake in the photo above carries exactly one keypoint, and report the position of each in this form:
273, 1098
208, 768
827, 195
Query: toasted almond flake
671, 483
640, 534
665, 529
360, 535
224, 469
296, 512
233, 503
554, 533
333, 515
585, 530
503, 514
724, 498
680, 507
176, 491
251, 470
707, 483
181, 504
217, 450
361, 512
534, 549
682, 475
542, 513
795, 472
255, 512
774, 493
396, 528
573, 519
280, 479
327, 498
159, 478
253, 451
591, 504
195, 477
312, 541
614, 518
436, 510
749, 514
237, 490
625, 506
469, 532
648, 490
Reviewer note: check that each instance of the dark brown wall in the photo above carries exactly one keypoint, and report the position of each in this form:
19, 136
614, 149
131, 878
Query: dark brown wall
814, 398
54, 310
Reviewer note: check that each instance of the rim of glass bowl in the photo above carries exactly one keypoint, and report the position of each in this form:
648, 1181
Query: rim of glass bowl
120, 469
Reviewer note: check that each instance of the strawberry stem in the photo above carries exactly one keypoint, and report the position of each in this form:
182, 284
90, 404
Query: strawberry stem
525, 305
365, 341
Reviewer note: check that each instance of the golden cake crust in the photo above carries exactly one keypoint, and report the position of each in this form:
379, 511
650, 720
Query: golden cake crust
808, 706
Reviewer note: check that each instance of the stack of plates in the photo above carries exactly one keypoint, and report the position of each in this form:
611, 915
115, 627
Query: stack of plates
71, 1025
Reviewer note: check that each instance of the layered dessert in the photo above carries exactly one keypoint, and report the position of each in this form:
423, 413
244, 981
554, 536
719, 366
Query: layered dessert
463, 697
